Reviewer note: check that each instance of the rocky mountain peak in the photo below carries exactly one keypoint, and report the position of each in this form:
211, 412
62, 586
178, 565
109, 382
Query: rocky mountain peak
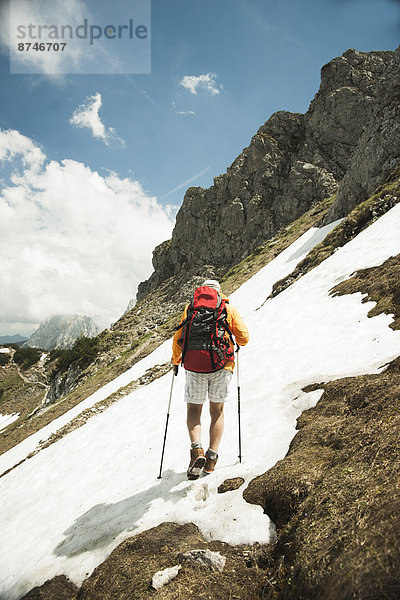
62, 331
349, 135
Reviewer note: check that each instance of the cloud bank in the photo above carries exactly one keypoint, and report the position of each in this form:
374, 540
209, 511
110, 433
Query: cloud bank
72, 241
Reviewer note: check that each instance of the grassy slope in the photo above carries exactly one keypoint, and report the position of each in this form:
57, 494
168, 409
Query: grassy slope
17, 395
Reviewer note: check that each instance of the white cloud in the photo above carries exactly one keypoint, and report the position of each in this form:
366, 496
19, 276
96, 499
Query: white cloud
72, 241
24, 12
87, 115
77, 56
205, 82
12, 144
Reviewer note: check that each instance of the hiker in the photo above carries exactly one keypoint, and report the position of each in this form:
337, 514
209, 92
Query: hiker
208, 317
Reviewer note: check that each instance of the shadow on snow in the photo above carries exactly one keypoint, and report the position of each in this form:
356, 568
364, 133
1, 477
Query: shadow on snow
100, 525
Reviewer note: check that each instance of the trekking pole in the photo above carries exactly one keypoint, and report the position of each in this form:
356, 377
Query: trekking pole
238, 388
166, 424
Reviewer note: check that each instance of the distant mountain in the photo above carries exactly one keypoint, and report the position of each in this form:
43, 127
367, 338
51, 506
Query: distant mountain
12, 339
62, 331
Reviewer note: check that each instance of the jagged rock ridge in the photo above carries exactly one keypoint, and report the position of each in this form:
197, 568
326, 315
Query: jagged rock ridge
62, 331
347, 142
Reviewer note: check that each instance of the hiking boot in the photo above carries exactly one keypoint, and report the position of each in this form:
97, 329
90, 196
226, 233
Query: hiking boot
210, 465
197, 460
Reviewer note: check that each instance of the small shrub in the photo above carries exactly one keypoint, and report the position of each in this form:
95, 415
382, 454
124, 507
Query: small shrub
26, 357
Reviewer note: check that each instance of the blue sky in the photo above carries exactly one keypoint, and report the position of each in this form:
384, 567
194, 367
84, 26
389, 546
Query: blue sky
258, 56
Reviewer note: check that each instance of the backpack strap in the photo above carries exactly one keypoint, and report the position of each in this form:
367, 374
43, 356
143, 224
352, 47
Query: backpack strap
183, 323
228, 331
186, 335
217, 312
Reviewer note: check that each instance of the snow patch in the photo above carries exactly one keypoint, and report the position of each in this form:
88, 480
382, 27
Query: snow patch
6, 420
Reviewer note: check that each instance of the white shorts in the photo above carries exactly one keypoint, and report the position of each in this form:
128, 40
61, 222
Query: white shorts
198, 385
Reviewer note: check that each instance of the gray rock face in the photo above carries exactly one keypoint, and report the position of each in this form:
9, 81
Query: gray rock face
294, 160
63, 384
62, 331
377, 152
205, 558
163, 577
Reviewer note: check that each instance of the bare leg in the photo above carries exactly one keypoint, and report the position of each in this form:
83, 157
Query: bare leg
217, 424
193, 421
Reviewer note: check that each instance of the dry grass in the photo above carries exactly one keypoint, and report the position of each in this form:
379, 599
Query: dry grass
335, 498
91, 382
380, 284
128, 571
150, 375
18, 395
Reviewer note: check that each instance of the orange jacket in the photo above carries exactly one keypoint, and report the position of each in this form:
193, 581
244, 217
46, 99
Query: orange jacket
236, 325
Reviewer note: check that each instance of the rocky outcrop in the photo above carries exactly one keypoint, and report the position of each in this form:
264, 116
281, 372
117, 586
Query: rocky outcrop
62, 331
377, 152
292, 162
63, 383
384, 198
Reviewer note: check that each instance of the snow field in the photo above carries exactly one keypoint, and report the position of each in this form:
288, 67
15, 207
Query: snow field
64, 510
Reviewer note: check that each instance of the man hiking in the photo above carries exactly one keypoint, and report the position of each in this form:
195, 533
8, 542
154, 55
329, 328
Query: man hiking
203, 343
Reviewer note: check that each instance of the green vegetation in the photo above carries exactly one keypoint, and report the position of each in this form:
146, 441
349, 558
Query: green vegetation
26, 357
11, 387
83, 352
4, 359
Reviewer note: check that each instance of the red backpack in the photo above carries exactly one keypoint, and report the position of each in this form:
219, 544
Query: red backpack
205, 332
